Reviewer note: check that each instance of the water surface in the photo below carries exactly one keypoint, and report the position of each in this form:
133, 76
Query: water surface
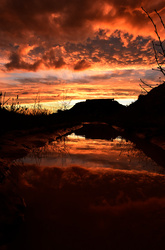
76, 150
91, 189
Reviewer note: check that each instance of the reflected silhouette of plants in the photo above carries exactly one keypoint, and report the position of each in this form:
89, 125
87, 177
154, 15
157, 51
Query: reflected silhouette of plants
58, 146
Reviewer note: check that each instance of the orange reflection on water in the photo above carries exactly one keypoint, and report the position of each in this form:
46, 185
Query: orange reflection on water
100, 193
73, 150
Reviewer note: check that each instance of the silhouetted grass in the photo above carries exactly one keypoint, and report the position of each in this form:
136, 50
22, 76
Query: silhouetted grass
15, 116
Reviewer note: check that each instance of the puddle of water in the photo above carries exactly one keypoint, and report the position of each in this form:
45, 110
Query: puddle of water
76, 150
86, 193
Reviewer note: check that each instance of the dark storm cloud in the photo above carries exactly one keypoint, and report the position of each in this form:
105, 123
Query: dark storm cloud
73, 24
81, 65
70, 17
17, 63
49, 60
44, 18
118, 49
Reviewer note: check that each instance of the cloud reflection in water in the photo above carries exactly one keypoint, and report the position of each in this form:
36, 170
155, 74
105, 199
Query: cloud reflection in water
92, 153
92, 194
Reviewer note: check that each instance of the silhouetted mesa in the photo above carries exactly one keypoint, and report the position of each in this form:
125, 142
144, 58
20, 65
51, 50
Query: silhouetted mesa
95, 109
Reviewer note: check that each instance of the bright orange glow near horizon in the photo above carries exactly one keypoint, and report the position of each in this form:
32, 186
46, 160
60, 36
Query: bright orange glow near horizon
77, 50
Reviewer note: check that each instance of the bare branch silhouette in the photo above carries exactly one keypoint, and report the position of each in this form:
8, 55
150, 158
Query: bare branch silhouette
158, 54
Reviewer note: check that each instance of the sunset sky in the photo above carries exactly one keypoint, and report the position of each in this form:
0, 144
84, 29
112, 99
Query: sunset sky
77, 49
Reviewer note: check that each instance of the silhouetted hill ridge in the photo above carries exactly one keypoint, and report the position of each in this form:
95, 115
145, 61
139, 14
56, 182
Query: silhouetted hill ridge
153, 102
147, 113
96, 107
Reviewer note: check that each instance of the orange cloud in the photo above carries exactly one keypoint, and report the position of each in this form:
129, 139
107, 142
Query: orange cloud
81, 65
17, 63
72, 20
50, 33
88, 35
